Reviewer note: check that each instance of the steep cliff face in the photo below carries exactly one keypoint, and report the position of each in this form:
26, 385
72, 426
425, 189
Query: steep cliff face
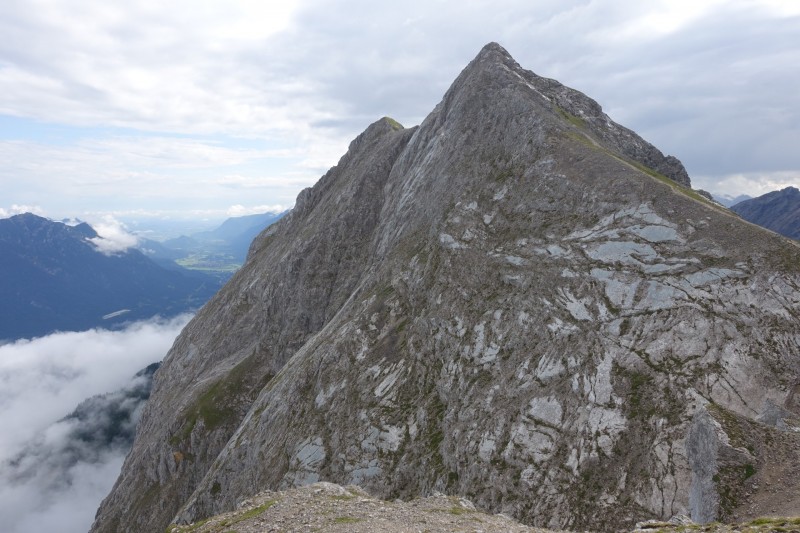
517, 302
309, 264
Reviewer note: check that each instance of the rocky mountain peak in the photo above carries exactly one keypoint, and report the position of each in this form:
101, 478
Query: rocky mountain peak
495, 74
30, 224
492, 57
493, 48
519, 302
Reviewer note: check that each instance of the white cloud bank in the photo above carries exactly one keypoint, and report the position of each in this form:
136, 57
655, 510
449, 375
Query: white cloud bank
43, 380
26, 507
239, 210
16, 209
112, 236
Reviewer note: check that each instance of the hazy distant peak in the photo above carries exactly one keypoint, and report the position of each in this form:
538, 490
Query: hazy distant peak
776, 210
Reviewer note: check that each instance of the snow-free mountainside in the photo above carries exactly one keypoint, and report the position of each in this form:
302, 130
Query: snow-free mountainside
519, 302
53, 277
776, 210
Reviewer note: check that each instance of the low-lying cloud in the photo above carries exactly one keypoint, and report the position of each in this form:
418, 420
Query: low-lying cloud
112, 236
17, 209
68, 406
239, 210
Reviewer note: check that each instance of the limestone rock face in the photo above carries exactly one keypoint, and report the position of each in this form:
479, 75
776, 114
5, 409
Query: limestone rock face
517, 302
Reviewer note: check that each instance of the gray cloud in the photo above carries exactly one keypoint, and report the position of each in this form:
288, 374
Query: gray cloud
19, 209
718, 94
713, 83
717, 91
54, 468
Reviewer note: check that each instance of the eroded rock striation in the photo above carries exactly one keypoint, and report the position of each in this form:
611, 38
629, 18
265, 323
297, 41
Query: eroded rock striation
519, 302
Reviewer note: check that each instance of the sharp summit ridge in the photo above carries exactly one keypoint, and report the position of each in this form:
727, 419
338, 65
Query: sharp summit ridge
519, 302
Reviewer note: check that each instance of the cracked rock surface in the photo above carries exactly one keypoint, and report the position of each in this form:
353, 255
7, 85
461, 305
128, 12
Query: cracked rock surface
518, 303
326, 507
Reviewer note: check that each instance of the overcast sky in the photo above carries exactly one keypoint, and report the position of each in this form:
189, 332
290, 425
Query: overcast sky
202, 108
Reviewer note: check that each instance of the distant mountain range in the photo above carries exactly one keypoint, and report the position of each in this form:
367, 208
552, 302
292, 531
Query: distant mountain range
237, 233
219, 252
777, 210
52, 277
727, 200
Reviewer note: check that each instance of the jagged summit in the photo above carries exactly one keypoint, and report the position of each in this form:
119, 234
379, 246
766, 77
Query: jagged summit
496, 73
509, 302
35, 223
492, 55
493, 47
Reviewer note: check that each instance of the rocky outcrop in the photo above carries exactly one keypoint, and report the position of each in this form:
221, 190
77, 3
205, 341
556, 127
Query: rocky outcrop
327, 507
712, 456
585, 113
243, 337
330, 507
507, 303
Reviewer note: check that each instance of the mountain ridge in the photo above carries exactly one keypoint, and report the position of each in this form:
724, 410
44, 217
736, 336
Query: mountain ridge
490, 304
778, 211
55, 278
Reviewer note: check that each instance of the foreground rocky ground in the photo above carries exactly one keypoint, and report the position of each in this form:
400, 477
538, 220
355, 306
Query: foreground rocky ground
327, 507
330, 507
776, 524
